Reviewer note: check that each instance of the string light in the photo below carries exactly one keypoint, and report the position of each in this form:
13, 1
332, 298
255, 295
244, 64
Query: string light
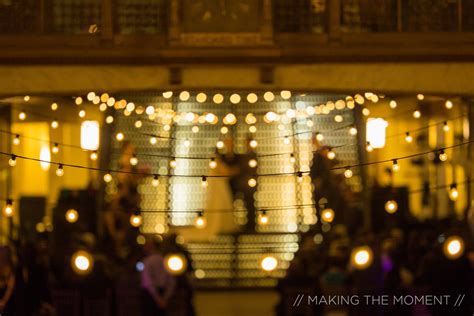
453, 192
204, 182
82, 113
369, 147
218, 98
54, 124
353, 131
8, 210
72, 216
12, 161
319, 137
331, 154
292, 158
120, 136
55, 148
91, 96
448, 104
285, 94
286, 140
391, 206
136, 219
26, 98
155, 182
212, 163
300, 176
22, 116
107, 177
200, 221
220, 144
443, 156
361, 257
420, 96
173, 163
201, 97
175, 263
445, 127
235, 98
93, 156
252, 98
348, 173
134, 160
253, 143
268, 96
453, 247
262, 218
408, 138
395, 166
417, 114
82, 262
54, 106
60, 171
269, 263
187, 143
153, 140
327, 215
184, 96
393, 104
252, 163
16, 140
195, 129
252, 182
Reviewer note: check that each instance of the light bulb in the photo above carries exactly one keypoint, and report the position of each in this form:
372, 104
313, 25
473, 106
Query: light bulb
353, 131
8, 210
252, 163
220, 144
269, 263
134, 160
82, 262
391, 206
107, 177
395, 166
292, 158
445, 127
212, 163
22, 116
200, 221
54, 106
60, 171
369, 147
187, 143
319, 137
253, 143
286, 140
408, 138
16, 140
393, 104
155, 182
327, 215
348, 173
252, 182
55, 148
263, 218
120, 136
448, 104
453, 192
82, 113
420, 96
136, 219
12, 161
443, 156
72, 216
153, 140
417, 114
204, 181
300, 176
54, 124
331, 154
453, 247
361, 257
93, 156
173, 163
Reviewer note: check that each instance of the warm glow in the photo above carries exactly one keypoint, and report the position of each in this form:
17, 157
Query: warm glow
72, 216
453, 247
175, 263
269, 263
82, 262
327, 215
361, 257
200, 221
391, 206
376, 132
136, 220
8, 210
262, 218
45, 157
90, 133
